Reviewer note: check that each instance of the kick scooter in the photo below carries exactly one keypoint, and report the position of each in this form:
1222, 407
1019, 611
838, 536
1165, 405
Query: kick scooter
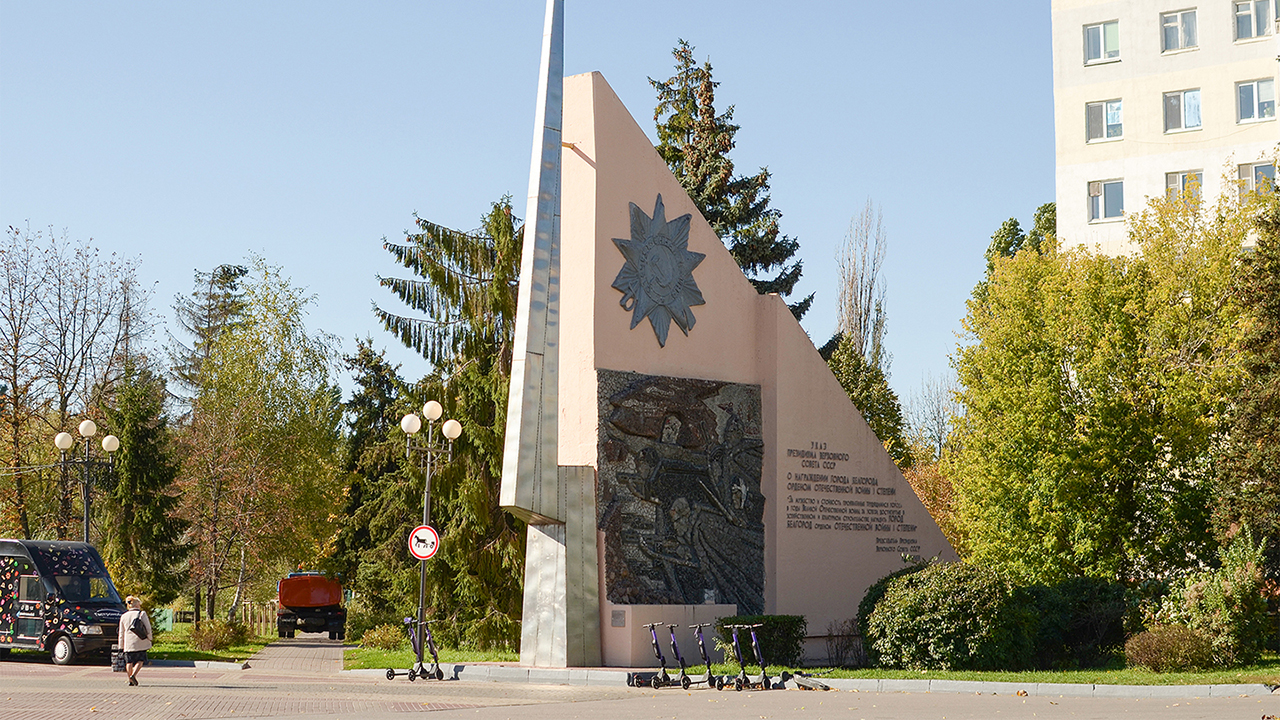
418, 670
743, 680
662, 679
687, 680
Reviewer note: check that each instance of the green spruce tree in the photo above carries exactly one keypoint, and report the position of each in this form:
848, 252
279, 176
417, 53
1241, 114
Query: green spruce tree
467, 292
143, 536
695, 141
1248, 483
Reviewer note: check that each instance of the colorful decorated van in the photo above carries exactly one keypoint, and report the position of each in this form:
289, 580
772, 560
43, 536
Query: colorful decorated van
56, 597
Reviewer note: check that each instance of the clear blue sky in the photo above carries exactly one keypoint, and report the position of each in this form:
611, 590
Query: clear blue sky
190, 134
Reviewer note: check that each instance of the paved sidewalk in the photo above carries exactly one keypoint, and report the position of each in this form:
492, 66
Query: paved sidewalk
306, 655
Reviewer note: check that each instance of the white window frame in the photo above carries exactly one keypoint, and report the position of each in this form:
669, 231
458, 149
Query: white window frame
1177, 19
1248, 174
1259, 25
1182, 111
1105, 106
1103, 56
1176, 183
1260, 107
1098, 189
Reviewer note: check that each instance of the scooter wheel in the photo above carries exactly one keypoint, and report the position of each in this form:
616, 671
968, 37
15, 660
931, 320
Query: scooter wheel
766, 683
439, 674
413, 674
656, 682
685, 682
719, 683
737, 684
391, 674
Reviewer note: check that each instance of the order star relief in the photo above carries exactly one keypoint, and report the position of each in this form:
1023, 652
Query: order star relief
656, 280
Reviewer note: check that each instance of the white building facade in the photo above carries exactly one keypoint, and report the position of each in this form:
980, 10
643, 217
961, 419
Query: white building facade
1158, 96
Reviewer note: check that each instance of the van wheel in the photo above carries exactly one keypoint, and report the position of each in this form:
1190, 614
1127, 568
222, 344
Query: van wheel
63, 652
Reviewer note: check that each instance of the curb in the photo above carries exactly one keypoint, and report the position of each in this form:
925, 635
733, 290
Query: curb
626, 678
970, 687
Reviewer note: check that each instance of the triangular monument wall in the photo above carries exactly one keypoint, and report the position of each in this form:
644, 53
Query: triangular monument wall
676, 431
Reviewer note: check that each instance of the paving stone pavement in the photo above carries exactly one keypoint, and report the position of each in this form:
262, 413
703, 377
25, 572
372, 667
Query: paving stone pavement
306, 654
298, 680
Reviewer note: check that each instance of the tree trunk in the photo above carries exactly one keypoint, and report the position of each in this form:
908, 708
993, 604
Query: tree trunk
235, 602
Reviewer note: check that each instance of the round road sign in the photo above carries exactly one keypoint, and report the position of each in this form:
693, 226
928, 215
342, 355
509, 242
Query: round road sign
424, 541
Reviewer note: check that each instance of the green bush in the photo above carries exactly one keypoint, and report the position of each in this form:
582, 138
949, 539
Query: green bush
1226, 604
217, 635
1080, 622
781, 638
361, 619
385, 637
870, 598
953, 616
1169, 648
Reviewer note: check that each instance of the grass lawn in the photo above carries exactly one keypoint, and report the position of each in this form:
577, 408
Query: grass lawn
172, 645
364, 658
1266, 672
175, 645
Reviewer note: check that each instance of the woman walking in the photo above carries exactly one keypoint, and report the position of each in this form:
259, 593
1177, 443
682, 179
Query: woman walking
134, 637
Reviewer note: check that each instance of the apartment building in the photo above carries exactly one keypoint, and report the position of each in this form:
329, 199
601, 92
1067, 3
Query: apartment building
1158, 96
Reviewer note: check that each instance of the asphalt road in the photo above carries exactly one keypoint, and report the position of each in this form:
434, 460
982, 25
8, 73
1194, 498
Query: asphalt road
31, 690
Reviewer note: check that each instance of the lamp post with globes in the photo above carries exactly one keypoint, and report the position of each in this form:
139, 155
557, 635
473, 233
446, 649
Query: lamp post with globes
429, 451
63, 441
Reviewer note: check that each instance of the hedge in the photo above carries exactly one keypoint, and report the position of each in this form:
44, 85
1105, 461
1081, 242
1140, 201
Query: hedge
781, 638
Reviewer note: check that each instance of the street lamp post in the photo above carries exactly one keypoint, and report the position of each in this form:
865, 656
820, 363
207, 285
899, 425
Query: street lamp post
63, 441
429, 452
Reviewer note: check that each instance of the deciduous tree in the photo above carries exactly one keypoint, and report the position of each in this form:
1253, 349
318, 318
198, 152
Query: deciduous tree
1093, 387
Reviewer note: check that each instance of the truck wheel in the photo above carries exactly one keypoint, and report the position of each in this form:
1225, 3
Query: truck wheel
63, 651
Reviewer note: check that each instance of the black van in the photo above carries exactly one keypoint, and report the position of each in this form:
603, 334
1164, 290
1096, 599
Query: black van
57, 597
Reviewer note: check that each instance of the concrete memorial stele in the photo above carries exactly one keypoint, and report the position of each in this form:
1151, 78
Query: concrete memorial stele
673, 477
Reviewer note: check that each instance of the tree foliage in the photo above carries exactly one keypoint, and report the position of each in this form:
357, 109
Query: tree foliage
1093, 389
259, 481
695, 141
1248, 486
211, 309
68, 318
870, 392
467, 290
142, 537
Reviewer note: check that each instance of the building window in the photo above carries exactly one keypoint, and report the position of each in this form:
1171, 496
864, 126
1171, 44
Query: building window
1106, 200
1178, 30
1253, 19
1182, 110
1102, 42
1258, 176
1103, 121
1187, 181
1256, 99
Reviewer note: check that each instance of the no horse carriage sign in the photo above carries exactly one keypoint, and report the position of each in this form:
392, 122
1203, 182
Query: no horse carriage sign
424, 541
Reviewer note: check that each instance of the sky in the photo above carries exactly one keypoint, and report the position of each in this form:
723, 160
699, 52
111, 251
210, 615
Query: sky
188, 135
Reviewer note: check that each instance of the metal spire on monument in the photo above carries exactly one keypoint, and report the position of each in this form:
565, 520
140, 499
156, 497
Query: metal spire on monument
560, 624
529, 474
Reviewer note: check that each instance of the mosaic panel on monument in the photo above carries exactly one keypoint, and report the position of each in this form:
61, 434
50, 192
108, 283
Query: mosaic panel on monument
678, 493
